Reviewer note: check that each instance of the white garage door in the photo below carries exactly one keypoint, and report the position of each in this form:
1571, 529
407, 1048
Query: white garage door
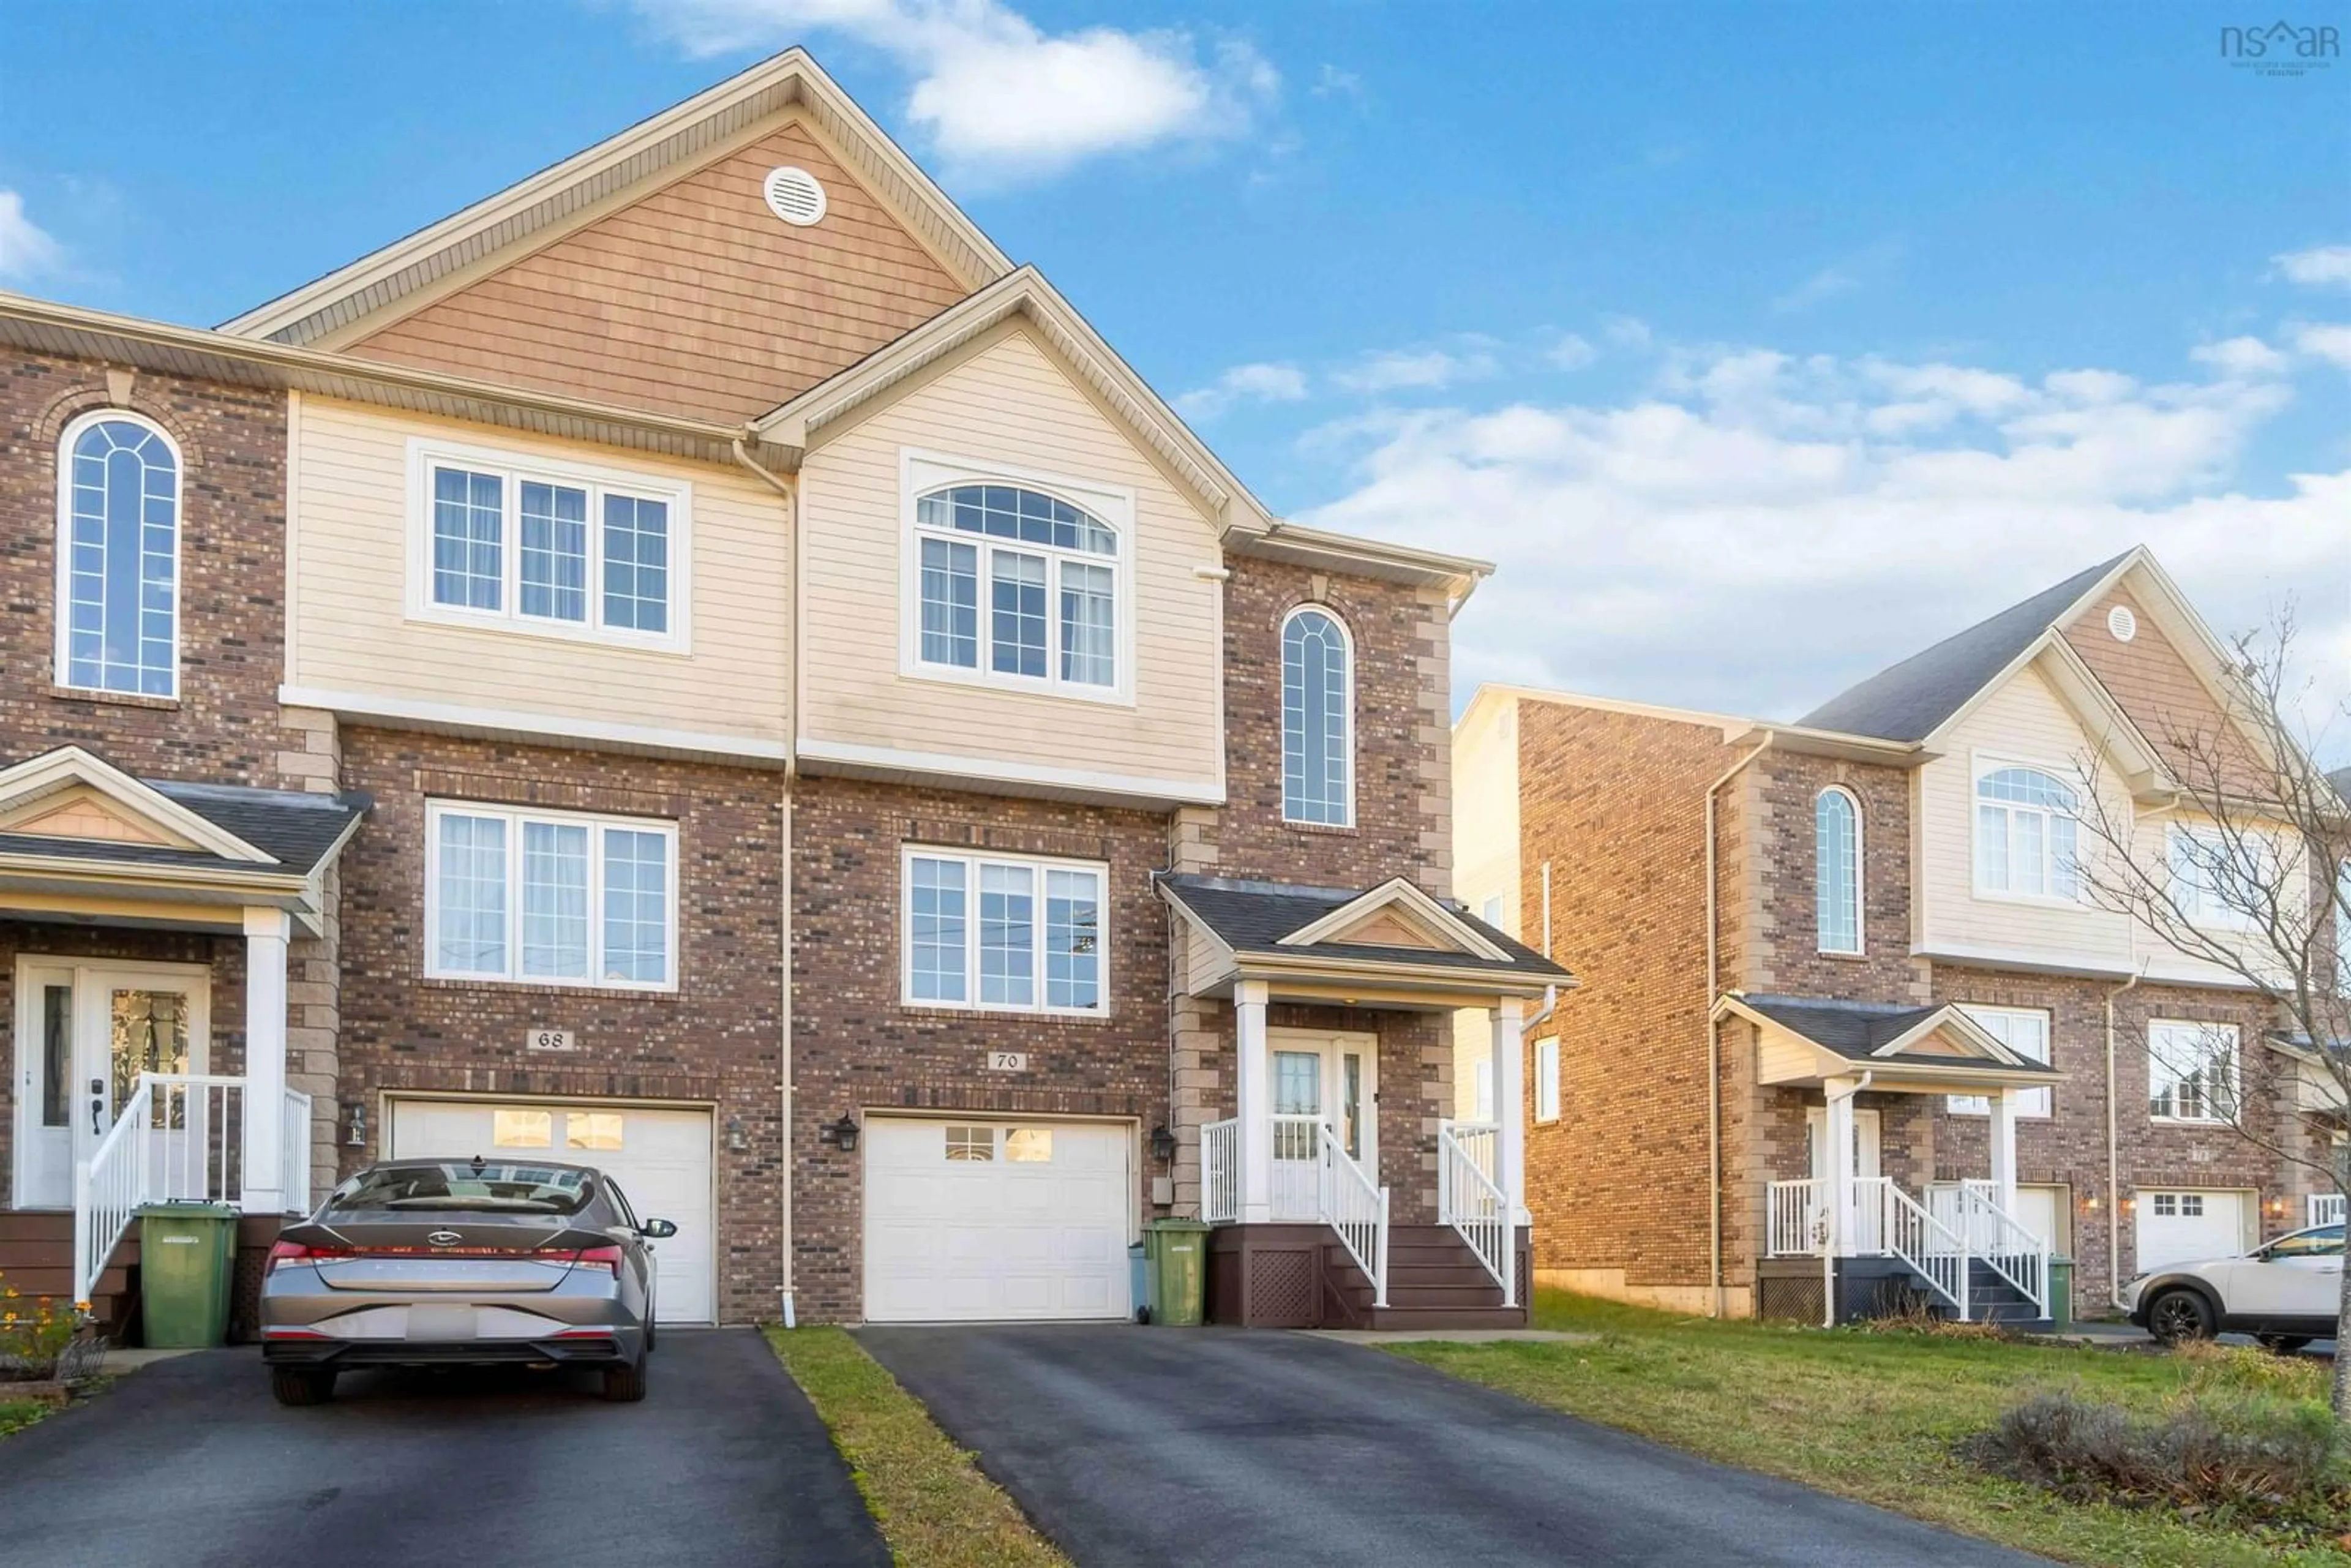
661, 1159
2177, 1226
995, 1220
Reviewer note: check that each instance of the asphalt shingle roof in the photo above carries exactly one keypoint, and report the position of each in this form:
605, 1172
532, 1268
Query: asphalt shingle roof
1907, 701
1254, 916
1861, 1030
293, 827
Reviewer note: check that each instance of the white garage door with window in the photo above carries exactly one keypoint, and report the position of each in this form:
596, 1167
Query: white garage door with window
2188, 1227
660, 1158
981, 1221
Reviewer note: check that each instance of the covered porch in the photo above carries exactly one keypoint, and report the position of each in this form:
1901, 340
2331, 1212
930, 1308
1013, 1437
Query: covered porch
1847, 1237
145, 926
1342, 1190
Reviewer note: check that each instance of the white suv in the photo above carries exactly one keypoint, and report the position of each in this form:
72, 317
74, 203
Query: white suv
2284, 1294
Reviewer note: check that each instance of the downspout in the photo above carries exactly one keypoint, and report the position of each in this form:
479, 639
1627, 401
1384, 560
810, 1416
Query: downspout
2114, 1154
1551, 992
1714, 1039
791, 770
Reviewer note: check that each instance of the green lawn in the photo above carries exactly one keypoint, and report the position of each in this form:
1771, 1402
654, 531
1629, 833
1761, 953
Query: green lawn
1873, 1416
933, 1506
15, 1415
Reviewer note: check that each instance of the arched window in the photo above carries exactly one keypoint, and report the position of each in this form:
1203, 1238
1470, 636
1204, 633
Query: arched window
1836, 871
2025, 821
1318, 719
119, 549
1050, 576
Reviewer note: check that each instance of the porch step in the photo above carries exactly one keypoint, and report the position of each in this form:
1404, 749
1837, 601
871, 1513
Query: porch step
1434, 1281
36, 1260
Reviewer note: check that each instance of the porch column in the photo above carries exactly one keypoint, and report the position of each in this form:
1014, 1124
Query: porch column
2003, 1151
1253, 1101
1837, 1129
266, 934
1510, 1107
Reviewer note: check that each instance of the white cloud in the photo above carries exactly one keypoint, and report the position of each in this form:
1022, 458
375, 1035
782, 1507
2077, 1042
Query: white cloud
1244, 383
1329, 81
2329, 340
1761, 529
1826, 284
26, 249
1571, 352
1424, 370
2320, 263
996, 96
2241, 357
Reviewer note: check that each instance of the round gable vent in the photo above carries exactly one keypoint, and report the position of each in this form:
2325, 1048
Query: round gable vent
2122, 622
794, 196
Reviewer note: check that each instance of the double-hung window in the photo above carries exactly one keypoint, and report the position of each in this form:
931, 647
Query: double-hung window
118, 557
1015, 587
2192, 1071
1005, 933
548, 548
550, 898
2024, 1030
2215, 883
2026, 834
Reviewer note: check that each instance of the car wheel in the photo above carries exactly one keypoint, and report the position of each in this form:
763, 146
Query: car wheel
2282, 1343
301, 1384
625, 1385
2177, 1315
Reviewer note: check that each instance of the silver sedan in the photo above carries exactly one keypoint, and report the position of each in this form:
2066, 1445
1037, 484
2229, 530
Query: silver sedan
462, 1262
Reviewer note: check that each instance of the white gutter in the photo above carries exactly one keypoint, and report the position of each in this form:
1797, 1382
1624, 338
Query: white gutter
1714, 1038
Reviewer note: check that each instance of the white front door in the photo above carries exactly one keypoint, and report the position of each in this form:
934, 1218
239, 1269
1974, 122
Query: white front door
84, 1033
1320, 1080
1867, 1143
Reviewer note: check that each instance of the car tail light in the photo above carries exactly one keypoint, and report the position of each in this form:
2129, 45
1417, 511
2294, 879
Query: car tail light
297, 1252
601, 1257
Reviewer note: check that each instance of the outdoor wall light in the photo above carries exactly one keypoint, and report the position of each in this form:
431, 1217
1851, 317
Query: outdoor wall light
2091, 1203
737, 1140
841, 1135
1162, 1143
356, 1136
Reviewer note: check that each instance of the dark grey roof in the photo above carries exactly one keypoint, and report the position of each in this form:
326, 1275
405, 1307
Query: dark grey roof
1254, 916
1907, 701
1861, 1030
295, 829
2341, 780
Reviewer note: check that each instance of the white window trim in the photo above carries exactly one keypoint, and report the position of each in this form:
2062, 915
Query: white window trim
514, 816
1982, 765
2048, 1017
1280, 693
2221, 916
2236, 1070
1860, 904
515, 469
1546, 1082
972, 860
62, 607
920, 473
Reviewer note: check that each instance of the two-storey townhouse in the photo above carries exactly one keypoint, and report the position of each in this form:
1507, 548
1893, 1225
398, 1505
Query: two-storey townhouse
839, 754
1867, 930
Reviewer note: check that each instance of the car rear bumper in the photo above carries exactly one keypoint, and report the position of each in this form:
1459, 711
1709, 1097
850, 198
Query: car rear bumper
601, 1348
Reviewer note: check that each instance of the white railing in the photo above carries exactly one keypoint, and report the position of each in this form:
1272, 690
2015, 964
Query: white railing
1919, 1239
197, 1130
294, 1153
1297, 1194
1220, 1172
1796, 1218
1942, 1238
1469, 1200
2015, 1254
108, 1188
1357, 1206
2326, 1208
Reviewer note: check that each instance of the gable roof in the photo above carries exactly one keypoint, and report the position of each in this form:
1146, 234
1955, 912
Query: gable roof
2341, 780
1874, 1036
1267, 920
1911, 700
276, 833
674, 140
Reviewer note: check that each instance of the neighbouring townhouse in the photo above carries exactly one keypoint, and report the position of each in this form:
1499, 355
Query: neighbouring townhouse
697, 663
1847, 1019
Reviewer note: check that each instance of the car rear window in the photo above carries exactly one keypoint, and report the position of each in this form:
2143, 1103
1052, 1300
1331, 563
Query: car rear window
459, 1184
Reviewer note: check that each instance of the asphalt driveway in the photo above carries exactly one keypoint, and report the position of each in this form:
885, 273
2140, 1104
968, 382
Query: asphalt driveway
190, 1462
1218, 1446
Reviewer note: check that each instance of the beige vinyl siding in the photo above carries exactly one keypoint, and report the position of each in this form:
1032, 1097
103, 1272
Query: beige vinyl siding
1008, 401
349, 631
1781, 1058
1486, 848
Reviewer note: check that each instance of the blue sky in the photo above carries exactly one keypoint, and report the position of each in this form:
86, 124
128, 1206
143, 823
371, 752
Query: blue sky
1758, 345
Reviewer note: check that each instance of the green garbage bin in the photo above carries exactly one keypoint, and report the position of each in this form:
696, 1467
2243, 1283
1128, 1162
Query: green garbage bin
184, 1255
2061, 1291
1179, 1271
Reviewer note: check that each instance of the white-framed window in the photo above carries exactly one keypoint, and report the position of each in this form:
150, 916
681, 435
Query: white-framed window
2209, 878
2191, 1069
555, 898
1005, 933
2178, 1205
551, 548
1490, 911
1482, 1091
1547, 1081
2024, 1030
2027, 832
119, 555
1836, 870
1318, 718
1017, 580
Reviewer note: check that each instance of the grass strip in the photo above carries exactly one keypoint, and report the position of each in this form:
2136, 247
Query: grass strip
935, 1507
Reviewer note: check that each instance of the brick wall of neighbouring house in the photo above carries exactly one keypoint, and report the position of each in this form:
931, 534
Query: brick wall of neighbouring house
857, 1046
1615, 802
716, 1041
1783, 953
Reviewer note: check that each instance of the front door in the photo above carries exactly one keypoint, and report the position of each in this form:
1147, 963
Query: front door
1321, 1082
84, 1033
